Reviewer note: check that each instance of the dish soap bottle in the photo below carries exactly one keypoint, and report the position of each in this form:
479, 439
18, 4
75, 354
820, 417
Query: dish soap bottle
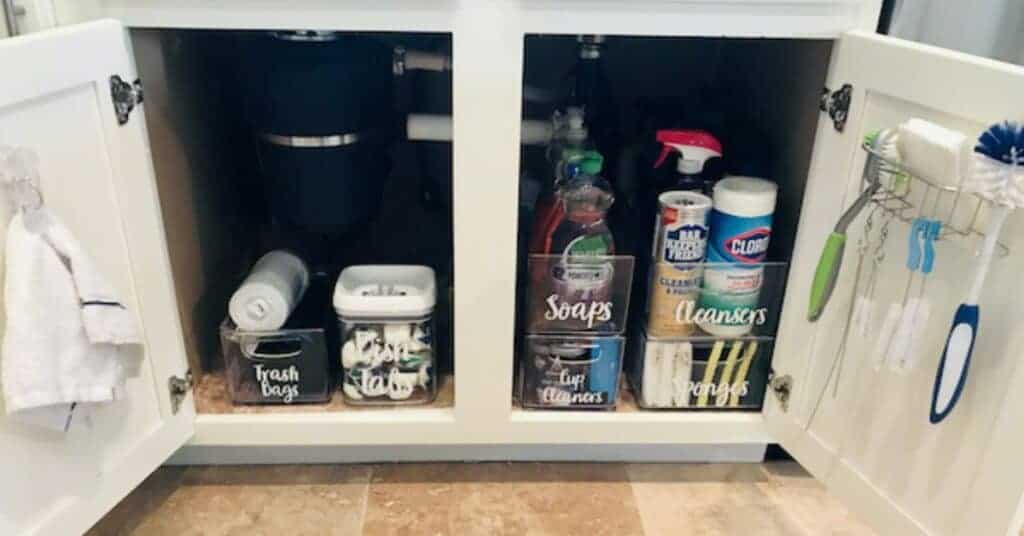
582, 241
584, 231
550, 210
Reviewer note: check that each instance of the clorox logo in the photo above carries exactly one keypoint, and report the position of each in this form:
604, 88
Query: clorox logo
750, 246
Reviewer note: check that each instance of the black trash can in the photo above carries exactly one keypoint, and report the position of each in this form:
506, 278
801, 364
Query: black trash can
321, 108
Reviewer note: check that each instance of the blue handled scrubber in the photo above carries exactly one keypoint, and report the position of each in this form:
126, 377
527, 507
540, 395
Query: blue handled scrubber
998, 176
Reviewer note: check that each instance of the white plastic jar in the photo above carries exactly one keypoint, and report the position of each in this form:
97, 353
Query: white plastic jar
387, 334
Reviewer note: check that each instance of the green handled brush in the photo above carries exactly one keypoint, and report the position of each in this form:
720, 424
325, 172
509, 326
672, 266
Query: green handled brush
831, 260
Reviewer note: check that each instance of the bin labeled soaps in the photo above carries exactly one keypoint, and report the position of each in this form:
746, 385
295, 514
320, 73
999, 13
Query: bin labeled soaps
387, 334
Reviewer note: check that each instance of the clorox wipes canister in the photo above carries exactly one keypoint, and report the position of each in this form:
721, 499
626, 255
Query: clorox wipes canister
741, 226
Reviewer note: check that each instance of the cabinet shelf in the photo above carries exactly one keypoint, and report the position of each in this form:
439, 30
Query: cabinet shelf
212, 398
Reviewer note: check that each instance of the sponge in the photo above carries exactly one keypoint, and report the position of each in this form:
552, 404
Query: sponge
936, 153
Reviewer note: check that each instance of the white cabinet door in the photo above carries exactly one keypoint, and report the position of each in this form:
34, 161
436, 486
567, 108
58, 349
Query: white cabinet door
870, 439
97, 176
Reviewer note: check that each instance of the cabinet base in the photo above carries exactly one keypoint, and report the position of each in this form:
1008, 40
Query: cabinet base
712, 453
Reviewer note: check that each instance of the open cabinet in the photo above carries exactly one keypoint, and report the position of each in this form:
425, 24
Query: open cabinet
871, 443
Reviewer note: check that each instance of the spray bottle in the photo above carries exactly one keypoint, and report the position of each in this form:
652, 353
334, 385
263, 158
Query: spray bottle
695, 148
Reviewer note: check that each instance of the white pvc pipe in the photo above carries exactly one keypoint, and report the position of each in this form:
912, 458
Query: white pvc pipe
416, 60
535, 132
430, 127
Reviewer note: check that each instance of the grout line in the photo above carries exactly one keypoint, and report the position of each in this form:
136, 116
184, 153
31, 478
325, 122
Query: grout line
648, 531
366, 499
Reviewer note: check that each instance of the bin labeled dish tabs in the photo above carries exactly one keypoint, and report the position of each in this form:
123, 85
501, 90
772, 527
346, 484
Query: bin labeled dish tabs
387, 332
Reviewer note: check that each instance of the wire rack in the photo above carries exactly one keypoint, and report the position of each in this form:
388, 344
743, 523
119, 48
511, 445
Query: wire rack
898, 182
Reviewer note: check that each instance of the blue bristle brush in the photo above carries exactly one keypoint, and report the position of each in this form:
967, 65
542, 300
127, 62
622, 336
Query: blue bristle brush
998, 178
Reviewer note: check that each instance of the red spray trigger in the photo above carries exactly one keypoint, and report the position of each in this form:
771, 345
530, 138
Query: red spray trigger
679, 138
665, 150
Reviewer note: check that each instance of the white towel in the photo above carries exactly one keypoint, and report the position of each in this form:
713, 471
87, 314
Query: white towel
64, 325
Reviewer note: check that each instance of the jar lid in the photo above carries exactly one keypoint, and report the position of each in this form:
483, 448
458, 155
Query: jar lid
385, 291
746, 197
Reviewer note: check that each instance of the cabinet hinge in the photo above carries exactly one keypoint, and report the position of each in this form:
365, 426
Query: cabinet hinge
179, 387
837, 105
126, 97
781, 386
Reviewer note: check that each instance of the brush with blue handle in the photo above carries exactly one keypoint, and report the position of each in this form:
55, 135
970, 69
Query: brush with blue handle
998, 155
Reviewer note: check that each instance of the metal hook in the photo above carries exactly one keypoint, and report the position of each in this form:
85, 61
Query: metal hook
25, 194
19, 173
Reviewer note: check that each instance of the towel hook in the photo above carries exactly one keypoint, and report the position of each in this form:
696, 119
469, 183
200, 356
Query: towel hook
19, 173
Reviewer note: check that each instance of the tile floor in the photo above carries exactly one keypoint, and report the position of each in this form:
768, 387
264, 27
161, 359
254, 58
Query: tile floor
485, 499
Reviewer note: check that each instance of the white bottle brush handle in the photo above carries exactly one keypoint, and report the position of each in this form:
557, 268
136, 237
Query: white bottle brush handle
997, 217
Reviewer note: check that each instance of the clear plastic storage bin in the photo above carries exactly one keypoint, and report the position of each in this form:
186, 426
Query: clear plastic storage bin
287, 366
709, 300
570, 372
699, 374
387, 334
576, 294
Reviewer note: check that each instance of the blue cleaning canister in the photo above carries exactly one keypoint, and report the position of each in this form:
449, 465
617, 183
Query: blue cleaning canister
741, 227
604, 370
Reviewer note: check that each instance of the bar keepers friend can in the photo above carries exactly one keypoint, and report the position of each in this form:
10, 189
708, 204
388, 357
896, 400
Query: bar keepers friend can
681, 234
680, 242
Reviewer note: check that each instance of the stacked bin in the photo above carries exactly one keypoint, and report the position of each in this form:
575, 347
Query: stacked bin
575, 317
719, 356
709, 325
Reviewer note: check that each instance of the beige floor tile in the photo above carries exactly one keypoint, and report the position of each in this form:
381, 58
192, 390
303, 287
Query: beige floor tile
140, 503
286, 499
408, 499
502, 499
807, 503
703, 499
532, 499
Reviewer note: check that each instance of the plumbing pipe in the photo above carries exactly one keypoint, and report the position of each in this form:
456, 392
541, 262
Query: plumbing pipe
430, 127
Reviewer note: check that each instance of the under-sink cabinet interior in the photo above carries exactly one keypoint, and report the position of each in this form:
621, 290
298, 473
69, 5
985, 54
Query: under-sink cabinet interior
337, 147
627, 112
296, 141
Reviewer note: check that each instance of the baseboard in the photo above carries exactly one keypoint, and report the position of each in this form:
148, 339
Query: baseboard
722, 453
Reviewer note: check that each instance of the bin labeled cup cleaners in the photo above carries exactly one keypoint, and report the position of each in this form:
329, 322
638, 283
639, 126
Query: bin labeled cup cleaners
741, 226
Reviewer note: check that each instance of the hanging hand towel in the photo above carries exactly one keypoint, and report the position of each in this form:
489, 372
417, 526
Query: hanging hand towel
64, 325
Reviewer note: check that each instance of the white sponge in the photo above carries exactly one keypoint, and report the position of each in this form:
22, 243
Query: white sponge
938, 154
